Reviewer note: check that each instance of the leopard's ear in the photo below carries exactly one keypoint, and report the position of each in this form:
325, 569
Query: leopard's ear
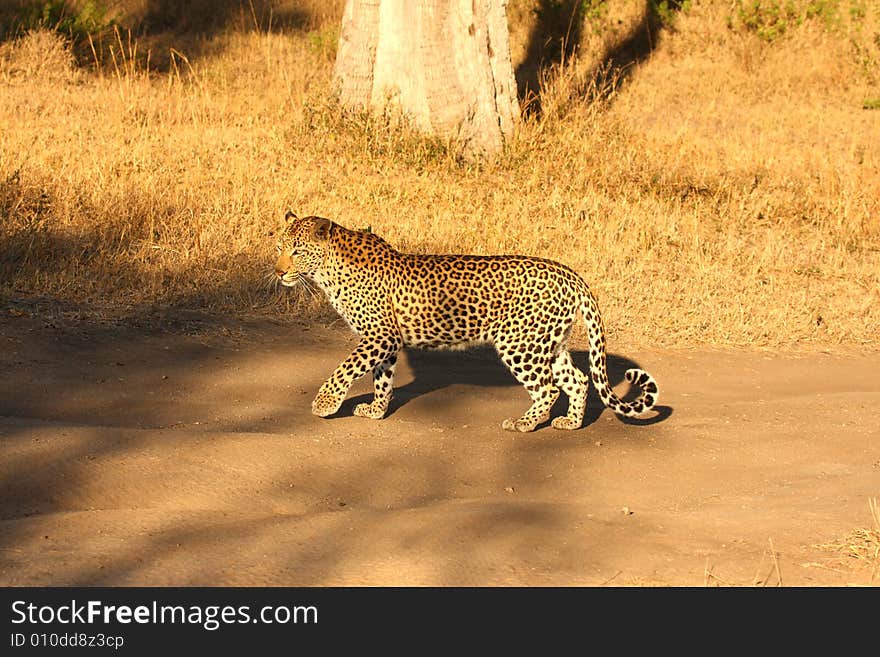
321, 228
289, 216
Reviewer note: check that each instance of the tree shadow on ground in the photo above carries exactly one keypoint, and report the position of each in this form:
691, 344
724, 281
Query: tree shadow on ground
94, 261
190, 26
555, 38
636, 47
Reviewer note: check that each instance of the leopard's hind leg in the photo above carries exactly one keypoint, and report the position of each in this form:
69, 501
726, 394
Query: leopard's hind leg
532, 369
575, 385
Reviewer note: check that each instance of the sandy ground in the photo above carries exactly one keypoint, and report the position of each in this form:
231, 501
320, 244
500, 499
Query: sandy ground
187, 455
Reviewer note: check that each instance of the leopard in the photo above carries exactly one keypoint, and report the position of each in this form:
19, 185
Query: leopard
523, 306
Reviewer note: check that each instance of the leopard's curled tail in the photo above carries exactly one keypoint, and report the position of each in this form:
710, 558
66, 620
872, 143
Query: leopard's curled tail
599, 369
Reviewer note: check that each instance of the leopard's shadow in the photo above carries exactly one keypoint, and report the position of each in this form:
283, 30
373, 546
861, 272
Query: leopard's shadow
435, 370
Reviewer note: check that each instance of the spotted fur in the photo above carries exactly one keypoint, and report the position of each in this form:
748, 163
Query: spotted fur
525, 307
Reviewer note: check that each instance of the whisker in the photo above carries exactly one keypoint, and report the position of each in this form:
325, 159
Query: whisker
309, 287
304, 290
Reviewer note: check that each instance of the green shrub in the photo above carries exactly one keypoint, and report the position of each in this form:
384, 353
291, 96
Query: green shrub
323, 42
770, 19
76, 21
665, 10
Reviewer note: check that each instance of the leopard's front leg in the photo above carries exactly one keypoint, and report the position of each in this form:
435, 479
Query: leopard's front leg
383, 383
369, 353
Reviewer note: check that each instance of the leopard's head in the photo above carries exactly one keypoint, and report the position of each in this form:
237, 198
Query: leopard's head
301, 248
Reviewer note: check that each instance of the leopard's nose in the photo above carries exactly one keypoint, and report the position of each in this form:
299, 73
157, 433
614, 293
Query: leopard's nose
280, 272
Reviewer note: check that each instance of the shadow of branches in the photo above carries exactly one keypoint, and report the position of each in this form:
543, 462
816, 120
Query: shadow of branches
122, 258
637, 45
556, 36
553, 39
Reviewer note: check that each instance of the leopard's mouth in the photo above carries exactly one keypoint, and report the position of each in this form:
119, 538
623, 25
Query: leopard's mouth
288, 280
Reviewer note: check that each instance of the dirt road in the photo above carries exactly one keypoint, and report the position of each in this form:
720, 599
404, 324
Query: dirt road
188, 456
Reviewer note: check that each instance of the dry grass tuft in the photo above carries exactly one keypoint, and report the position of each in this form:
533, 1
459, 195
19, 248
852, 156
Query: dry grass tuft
860, 544
716, 188
41, 54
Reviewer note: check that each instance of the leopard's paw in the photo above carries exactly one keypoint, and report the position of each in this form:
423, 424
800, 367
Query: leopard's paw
376, 410
326, 404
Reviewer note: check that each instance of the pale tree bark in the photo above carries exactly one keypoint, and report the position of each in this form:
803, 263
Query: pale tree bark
443, 63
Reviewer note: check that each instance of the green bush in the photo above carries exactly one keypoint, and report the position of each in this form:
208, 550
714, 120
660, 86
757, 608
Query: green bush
770, 19
77, 21
665, 10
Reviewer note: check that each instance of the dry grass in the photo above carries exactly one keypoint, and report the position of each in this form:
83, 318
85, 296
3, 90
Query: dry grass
724, 190
862, 544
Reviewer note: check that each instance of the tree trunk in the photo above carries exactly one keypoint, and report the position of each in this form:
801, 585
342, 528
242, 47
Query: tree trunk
443, 63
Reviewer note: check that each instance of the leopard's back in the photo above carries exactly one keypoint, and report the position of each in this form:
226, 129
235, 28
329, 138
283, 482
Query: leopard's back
445, 300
